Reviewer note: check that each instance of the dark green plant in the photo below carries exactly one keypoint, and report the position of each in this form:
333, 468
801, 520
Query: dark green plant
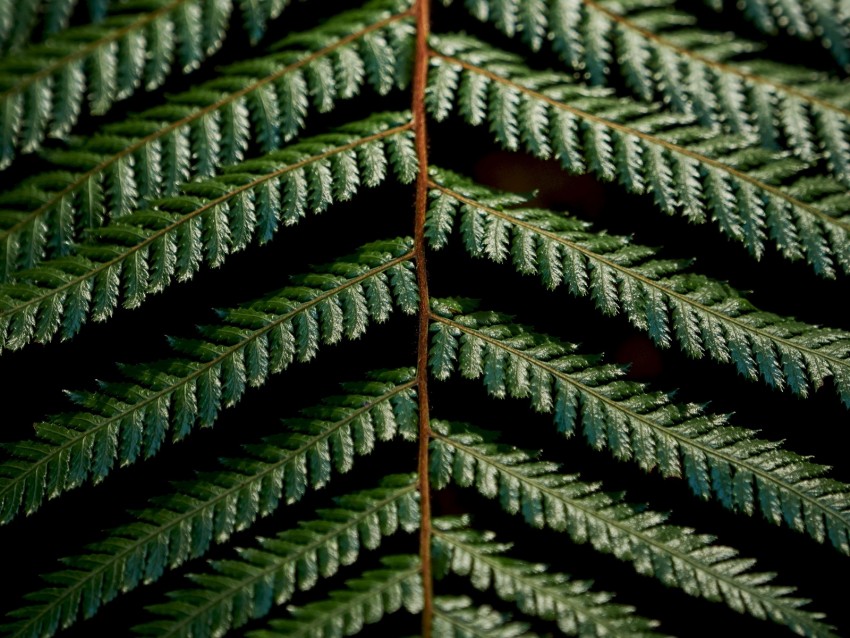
705, 124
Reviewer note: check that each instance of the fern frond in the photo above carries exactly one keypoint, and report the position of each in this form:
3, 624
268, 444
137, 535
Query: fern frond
826, 21
662, 297
238, 590
728, 463
152, 154
122, 422
677, 556
659, 53
143, 252
536, 590
459, 617
24, 22
194, 514
18, 20
365, 600
43, 87
749, 191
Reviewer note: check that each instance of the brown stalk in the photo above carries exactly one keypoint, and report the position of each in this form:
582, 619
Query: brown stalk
420, 79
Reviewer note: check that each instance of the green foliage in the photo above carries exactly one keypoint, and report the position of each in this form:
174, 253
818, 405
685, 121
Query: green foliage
718, 461
457, 617
695, 171
184, 523
543, 496
288, 520
659, 296
533, 589
125, 421
364, 601
706, 73
153, 153
238, 590
144, 251
43, 86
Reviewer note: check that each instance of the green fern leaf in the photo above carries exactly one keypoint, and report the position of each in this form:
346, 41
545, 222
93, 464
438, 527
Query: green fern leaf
181, 233
152, 154
675, 555
804, 19
115, 208
710, 74
19, 22
727, 181
237, 590
112, 58
659, 296
718, 460
365, 600
184, 523
458, 617
531, 587
122, 423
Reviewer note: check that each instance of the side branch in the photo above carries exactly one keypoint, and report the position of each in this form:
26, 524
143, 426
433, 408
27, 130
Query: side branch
420, 80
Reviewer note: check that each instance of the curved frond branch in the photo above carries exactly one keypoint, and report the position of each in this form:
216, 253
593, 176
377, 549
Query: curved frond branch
123, 422
662, 297
537, 591
675, 555
459, 617
20, 20
365, 600
728, 463
43, 87
184, 523
749, 191
143, 252
149, 155
658, 52
238, 590
820, 20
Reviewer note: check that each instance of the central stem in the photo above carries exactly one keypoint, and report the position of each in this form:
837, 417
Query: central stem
420, 79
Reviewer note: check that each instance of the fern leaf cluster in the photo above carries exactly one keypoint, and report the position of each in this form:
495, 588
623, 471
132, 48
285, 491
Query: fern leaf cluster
181, 525
531, 587
20, 22
292, 560
143, 252
676, 555
750, 192
713, 75
125, 422
220, 485
43, 87
364, 601
659, 296
154, 153
459, 617
718, 461
807, 20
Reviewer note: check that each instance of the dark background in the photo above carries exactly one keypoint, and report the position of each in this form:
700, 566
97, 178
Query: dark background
33, 380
